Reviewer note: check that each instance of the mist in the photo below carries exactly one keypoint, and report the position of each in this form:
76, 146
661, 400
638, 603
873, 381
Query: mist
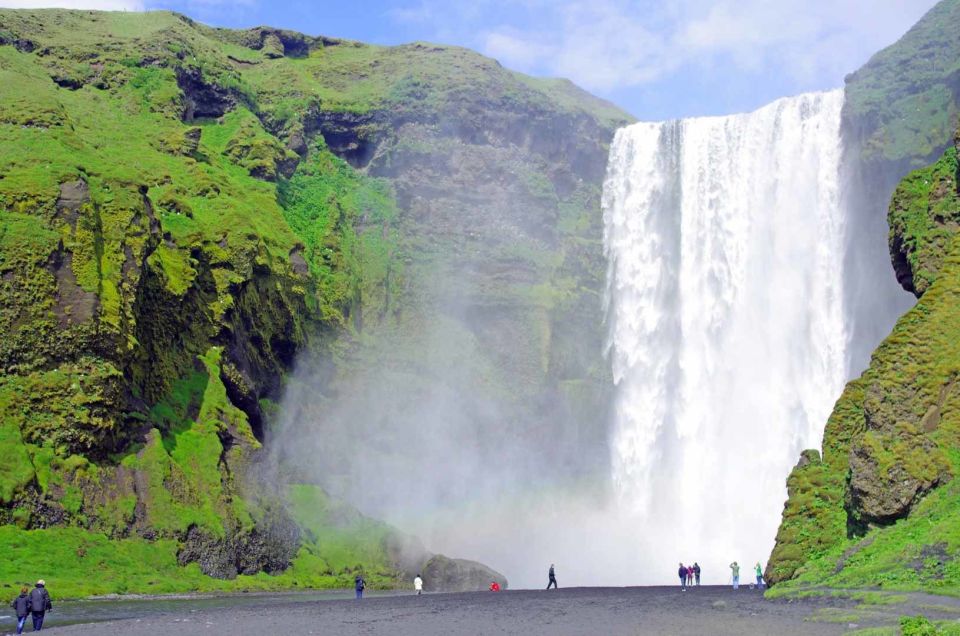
480, 414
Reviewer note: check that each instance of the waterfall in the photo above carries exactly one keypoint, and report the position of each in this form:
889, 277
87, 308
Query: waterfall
727, 339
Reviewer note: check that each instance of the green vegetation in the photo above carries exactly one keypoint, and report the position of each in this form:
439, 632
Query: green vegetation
903, 103
77, 563
924, 217
181, 213
921, 626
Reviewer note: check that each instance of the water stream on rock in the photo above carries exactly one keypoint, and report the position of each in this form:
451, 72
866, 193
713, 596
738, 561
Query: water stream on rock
727, 330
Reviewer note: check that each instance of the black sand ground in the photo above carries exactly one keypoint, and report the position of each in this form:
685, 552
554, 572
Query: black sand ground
627, 611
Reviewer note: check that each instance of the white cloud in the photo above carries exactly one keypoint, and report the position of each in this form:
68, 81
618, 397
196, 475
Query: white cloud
605, 44
103, 5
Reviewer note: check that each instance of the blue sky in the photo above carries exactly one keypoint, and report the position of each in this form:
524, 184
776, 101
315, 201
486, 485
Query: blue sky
656, 59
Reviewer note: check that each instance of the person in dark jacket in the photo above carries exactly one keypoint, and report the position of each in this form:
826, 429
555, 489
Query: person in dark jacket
21, 605
553, 578
359, 585
683, 577
696, 572
40, 604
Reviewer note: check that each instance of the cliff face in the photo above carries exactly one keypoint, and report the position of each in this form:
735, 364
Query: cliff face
184, 209
497, 333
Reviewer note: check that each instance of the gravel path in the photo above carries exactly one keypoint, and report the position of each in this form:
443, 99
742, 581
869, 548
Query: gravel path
627, 611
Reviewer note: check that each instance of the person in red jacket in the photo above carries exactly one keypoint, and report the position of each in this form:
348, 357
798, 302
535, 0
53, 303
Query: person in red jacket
494, 587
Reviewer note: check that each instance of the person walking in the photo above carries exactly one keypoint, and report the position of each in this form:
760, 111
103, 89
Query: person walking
735, 572
359, 585
553, 578
21, 606
418, 584
683, 577
696, 572
40, 604
759, 572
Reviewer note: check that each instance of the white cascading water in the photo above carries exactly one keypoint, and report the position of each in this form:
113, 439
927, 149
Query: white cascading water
724, 239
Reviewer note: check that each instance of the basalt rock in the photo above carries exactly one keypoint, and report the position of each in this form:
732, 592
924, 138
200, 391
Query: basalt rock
443, 574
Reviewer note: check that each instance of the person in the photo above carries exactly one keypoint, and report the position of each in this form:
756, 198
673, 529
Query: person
683, 578
696, 572
689, 576
418, 584
735, 571
21, 606
359, 584
553, 578
759, 571
494, 587
40, 604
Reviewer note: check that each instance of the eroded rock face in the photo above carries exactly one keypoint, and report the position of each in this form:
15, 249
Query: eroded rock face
443, 574
267, 549
202, 99
883, 488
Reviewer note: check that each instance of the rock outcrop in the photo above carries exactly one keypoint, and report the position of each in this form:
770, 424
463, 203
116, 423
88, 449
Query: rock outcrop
443, 574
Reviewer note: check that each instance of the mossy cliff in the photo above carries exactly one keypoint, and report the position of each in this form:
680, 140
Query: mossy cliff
184, 209
882, 504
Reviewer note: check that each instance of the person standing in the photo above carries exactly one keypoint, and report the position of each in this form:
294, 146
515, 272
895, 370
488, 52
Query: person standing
418, 584
689, 576
40, 604
359, 585
759, 572
21, 606
735, 572
553, 578
683, 577
696, 572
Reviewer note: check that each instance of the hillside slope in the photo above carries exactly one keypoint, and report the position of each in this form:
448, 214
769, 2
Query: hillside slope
183, 210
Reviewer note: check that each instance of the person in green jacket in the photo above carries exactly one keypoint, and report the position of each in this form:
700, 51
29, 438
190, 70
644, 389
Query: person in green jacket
759, 571
735, 571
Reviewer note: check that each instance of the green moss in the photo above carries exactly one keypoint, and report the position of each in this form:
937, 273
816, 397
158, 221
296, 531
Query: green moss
903, 101
345, 222
924, 216
339, 541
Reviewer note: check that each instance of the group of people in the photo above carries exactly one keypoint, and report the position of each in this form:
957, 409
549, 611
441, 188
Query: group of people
34, 604
689, 574
735, 575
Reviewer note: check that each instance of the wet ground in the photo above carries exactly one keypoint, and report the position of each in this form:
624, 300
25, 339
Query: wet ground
627, 611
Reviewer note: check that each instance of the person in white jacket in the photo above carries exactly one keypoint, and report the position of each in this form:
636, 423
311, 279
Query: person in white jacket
418, 584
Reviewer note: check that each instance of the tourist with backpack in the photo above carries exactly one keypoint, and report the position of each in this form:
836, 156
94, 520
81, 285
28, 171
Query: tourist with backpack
359, 585
40, 604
